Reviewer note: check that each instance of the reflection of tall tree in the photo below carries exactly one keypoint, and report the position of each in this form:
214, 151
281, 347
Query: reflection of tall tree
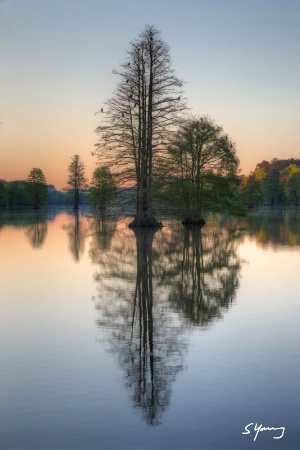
36, 231
144, 335
151, 285
77, 235
147, 353
207, 275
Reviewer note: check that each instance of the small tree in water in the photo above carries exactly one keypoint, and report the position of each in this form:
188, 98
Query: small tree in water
77, 181
202, 169
37, 187
139, 119
103, 190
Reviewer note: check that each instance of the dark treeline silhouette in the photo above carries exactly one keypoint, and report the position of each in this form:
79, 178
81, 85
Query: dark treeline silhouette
15, 193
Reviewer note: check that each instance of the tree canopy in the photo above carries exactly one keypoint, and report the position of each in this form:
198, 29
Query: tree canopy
77, 181
202, 167
37, 187
103, 189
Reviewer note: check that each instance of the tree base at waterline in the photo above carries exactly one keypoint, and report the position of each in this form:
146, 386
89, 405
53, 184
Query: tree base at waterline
194, 222
145, 220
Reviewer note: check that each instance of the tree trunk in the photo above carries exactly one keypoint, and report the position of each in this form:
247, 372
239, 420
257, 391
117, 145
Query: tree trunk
144, 216
36, 202
76, 199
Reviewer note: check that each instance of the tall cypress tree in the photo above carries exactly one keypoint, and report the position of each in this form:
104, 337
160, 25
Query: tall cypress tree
139, 119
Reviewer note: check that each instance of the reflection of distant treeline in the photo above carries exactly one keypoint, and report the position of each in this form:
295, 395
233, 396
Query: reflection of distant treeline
21, 218
274, 227
35, 223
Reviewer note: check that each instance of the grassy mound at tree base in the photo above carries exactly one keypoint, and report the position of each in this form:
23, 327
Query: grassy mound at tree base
197, 222
145, 220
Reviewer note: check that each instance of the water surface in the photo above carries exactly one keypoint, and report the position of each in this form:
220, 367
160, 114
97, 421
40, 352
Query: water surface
178, 338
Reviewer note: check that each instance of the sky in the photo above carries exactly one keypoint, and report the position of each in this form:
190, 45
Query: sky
239, 59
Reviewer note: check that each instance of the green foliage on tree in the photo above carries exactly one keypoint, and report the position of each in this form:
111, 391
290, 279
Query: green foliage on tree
250, 193
275, 183
4, 193
16, 193
19, 195
37, 187
103, 189
290, 177
201, 171
77, 181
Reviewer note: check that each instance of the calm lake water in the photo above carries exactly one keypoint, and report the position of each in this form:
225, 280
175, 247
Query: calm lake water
174, 339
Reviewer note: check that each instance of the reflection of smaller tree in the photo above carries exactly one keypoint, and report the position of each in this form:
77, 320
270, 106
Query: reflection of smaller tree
207, 275
36, 232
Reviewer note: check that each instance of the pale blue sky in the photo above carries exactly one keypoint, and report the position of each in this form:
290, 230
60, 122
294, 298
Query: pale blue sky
240, 60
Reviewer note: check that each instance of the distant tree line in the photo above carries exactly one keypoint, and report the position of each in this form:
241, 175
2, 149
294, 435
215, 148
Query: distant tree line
274, 183
35, 192
186, 188
17, 193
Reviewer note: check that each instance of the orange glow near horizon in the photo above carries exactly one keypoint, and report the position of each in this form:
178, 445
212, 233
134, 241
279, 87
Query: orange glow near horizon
53, 83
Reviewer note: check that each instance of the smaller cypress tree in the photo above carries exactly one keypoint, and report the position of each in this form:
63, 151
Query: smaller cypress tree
77, 180
37, 187
103, 188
